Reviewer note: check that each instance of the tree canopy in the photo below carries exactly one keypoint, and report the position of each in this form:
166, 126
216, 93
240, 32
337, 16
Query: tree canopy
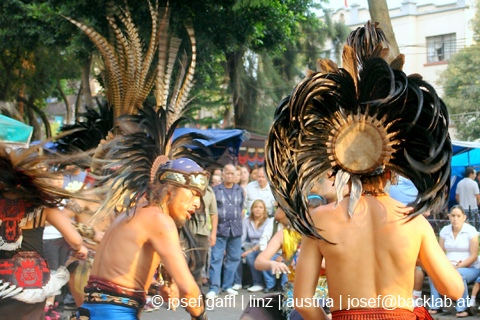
250, 52
461, 85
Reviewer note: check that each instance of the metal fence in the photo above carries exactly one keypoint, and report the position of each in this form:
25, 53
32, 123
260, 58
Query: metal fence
438, 224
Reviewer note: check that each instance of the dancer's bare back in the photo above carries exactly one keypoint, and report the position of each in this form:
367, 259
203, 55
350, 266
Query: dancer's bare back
372, 255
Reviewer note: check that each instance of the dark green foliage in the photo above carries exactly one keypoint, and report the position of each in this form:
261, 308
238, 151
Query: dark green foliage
273, 42
461, 86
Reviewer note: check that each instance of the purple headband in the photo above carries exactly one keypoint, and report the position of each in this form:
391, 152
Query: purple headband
184, 173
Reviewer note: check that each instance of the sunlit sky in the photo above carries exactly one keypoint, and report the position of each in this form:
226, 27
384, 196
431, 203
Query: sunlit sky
337, 4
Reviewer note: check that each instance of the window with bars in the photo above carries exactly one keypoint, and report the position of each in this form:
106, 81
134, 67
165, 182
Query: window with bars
441, 48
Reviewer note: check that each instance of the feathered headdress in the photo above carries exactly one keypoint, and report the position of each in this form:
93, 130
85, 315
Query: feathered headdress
25, 172
130, 74
358, 120
143, 151
87, 133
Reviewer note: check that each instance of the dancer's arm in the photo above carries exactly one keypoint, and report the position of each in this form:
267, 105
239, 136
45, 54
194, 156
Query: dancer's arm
63, 224
263, 261
163, 236
308, 268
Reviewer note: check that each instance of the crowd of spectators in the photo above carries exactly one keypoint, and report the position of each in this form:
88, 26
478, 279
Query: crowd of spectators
245, 213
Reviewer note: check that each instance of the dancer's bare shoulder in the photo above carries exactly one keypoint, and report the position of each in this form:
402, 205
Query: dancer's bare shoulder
371, 213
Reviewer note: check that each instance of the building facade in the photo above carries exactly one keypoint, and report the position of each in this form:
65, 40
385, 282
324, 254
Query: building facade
428, 35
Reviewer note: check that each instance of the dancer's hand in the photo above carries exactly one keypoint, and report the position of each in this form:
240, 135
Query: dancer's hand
82, 253
170, 292
98, 236
279, 267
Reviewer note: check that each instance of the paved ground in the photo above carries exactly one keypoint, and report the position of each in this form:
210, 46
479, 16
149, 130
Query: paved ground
449, 313
222, 308
225, 307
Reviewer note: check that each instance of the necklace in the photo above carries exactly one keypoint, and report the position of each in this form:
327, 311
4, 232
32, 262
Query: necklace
374, 193
161, 207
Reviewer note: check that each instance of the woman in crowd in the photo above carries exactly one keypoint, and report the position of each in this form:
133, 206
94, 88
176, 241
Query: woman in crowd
289, 241
237, 174
253, 227
460, 241
244, 178
253, 174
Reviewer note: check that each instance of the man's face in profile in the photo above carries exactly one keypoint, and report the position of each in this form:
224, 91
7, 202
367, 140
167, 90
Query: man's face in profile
182, 204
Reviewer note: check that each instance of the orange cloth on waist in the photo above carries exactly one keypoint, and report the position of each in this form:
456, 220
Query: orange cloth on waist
379, 314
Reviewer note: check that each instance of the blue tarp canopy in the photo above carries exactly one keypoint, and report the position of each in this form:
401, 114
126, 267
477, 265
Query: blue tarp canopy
219, 140
464, 146
465, 154
14, 132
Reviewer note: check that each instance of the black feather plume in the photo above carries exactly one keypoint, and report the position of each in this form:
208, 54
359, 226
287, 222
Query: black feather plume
143, 138
94, 127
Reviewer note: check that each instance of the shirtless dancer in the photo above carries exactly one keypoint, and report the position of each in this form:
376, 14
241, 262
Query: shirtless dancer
160, 195
92, 235
365, 122
28, 199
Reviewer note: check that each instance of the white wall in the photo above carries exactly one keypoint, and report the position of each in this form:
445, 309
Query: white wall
412, 25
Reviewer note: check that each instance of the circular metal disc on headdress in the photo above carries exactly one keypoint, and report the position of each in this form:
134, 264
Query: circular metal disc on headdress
359, 144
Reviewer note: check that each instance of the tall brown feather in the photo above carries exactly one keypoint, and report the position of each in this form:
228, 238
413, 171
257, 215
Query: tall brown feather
350, 62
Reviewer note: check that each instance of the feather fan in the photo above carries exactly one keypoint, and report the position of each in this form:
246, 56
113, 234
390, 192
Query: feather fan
87, 133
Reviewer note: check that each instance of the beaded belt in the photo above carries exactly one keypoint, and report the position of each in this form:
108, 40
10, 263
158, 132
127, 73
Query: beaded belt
107, 298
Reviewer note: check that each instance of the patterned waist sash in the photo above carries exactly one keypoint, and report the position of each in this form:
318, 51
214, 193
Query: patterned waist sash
26, 269
380, 314
99, 297
99, 290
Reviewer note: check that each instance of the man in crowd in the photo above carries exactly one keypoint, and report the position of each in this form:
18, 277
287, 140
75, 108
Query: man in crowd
230, 198
468, 195
260, 189
204, 237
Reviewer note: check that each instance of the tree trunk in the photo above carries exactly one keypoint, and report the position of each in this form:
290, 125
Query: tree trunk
379, 13
20, 104
32, 120
243, 114
87, 93
78, 102
65, 99
30, 104
5, 86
